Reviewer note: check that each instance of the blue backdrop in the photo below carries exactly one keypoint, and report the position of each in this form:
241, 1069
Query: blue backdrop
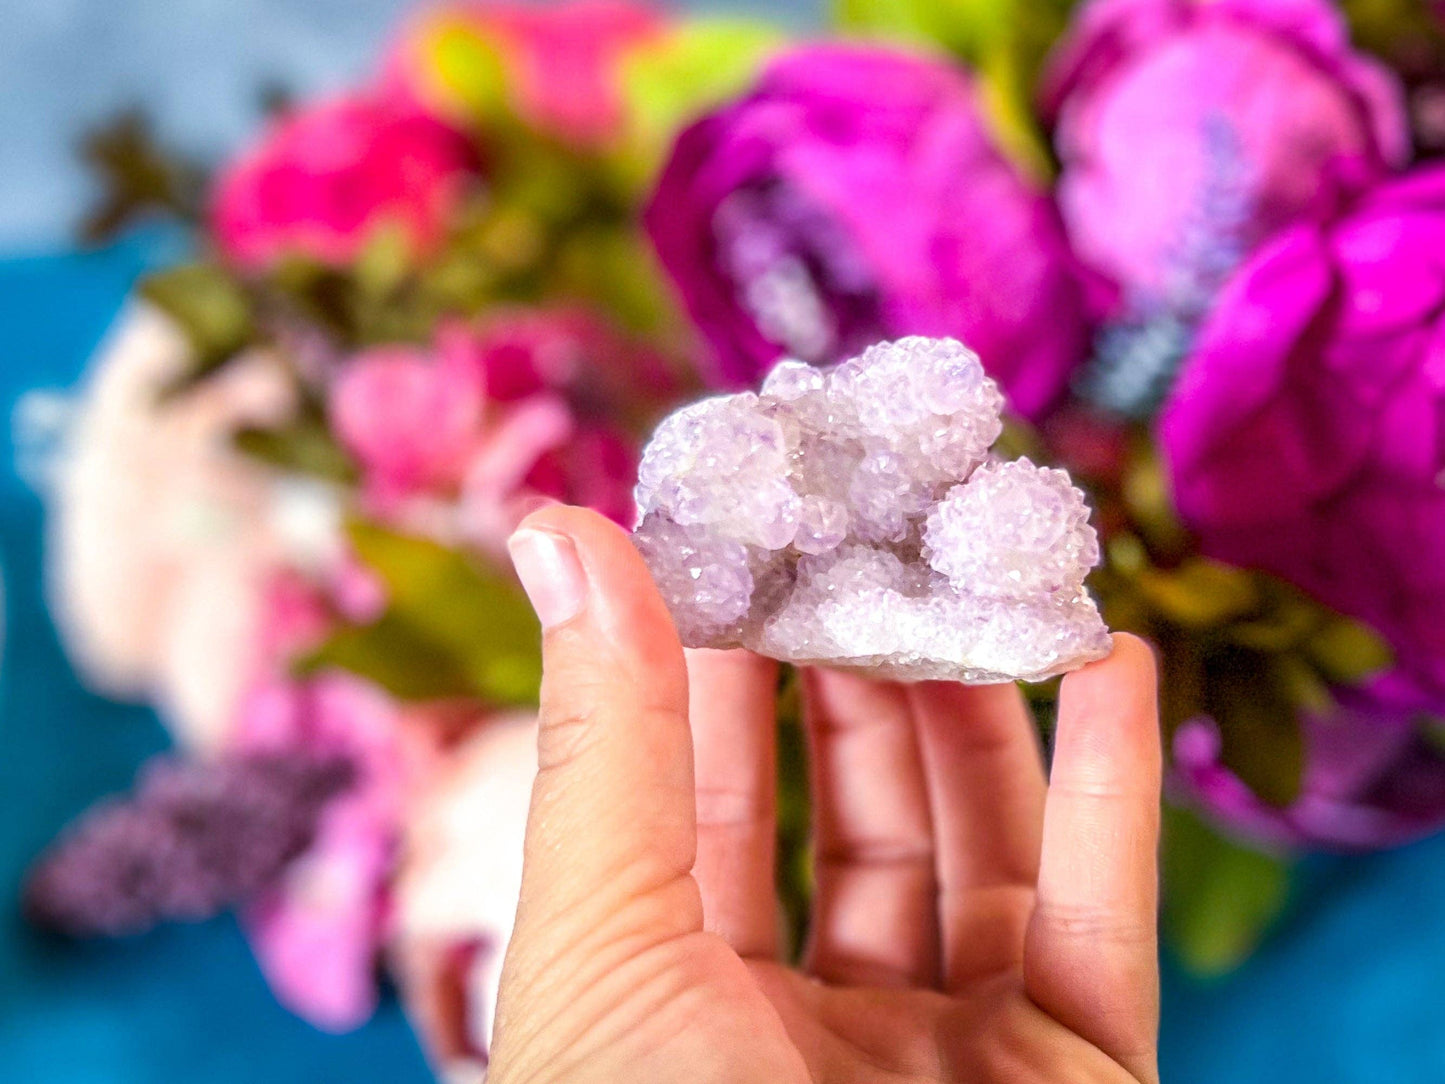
183, 1004
1347, 990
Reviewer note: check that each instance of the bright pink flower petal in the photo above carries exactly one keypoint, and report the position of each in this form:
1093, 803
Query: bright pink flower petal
318, 934
323, 180
410, 421
1306, 433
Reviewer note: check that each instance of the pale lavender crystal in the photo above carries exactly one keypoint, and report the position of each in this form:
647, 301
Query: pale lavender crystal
854, 517
1013, 530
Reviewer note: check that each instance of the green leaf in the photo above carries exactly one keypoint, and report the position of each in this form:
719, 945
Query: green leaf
304, 446
310, 292
1285, 623
1199, 593
794, 858
1348, 652
210, 307
954, 25
1402, 31
1182, 683
617, 270
470, 68
1220, 897
1432, 730
393, 655
699, 64
450, 606
384, 263
1145, 490
1301, 684
1248, 695
1019, 439
1004, 40
137, 178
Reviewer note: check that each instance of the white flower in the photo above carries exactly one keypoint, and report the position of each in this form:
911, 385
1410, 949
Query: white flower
160, 532
460, 877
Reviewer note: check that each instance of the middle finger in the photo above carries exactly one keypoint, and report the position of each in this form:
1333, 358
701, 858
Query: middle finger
874, 918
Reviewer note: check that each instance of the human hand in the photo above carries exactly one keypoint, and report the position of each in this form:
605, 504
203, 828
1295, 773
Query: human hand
971, 922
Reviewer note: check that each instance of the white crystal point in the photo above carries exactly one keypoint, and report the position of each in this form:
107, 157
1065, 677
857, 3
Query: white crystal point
852, 517
1013, 530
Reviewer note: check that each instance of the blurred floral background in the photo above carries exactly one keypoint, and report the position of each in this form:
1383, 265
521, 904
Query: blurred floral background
305, 302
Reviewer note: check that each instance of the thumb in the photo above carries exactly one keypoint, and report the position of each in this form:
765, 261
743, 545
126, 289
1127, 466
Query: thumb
613, 814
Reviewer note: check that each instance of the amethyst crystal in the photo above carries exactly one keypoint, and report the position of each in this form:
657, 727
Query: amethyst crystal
855, 517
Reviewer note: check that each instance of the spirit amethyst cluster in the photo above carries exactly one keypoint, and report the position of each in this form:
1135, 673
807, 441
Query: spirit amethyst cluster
854, 517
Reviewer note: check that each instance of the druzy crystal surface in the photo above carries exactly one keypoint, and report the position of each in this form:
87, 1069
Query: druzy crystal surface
855, 517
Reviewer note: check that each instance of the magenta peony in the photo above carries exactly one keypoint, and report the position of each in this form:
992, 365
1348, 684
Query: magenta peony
1306, 433
1191, 131
324, 179
856, 195
1371, 777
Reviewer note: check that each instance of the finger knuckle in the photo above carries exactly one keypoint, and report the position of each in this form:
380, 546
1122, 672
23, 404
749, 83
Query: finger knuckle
881, 852
1091, 922
730, 807
563, 736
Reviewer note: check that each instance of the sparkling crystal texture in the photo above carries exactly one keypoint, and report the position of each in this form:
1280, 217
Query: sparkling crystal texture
855, 517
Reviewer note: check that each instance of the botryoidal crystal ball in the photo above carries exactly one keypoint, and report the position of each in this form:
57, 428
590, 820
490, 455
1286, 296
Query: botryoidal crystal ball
854, 517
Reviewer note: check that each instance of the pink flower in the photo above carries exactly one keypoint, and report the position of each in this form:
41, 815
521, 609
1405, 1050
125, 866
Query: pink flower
410, 417
325, 178
561, 60
298, 612
569, 350
295, 617
597, 467
1371, 777
318, 934
317, 937
1191, 131
528, 403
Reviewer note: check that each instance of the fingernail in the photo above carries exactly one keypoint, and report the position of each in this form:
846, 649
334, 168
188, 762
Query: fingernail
551, 574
